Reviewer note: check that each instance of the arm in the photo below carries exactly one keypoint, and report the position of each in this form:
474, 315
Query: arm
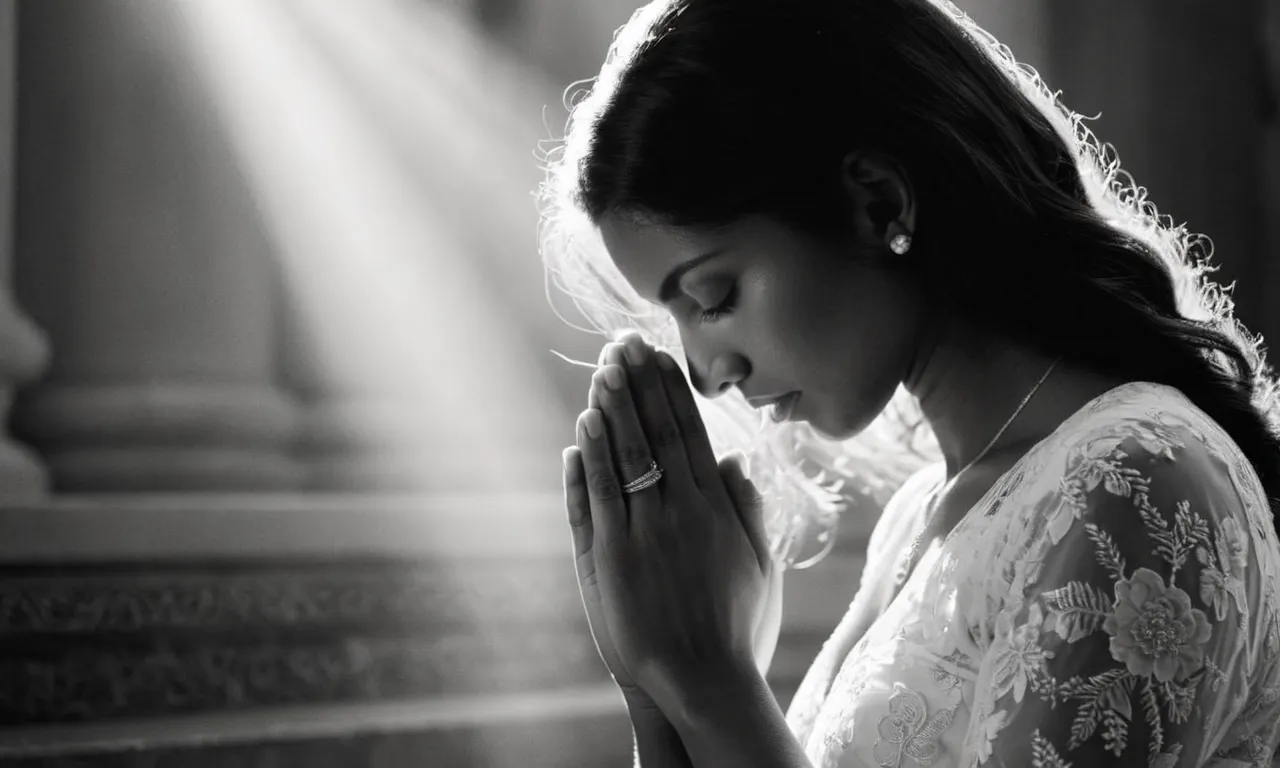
1125, 645
657, 743
739, 723
730, 719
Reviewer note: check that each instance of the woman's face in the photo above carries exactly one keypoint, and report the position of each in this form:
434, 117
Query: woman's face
771, 311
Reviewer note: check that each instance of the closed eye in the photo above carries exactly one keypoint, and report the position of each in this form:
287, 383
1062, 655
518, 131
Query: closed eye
722, 309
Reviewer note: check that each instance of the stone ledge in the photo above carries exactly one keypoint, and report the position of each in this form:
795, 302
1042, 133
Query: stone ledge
150, 527
173, 609
563, 727
265, 598
103, 682
98, 642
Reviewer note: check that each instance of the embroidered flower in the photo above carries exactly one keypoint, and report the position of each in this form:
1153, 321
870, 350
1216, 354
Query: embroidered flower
1021, 660
1233, 548
1217, 589
908, 729
1154, 630
1222, 578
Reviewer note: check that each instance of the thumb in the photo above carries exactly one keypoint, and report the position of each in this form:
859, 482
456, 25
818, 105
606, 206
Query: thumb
747, 502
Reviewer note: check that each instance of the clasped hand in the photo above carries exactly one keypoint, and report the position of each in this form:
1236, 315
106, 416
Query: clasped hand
676, 579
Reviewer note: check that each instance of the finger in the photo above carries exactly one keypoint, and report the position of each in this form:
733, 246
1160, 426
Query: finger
697, 444
630, 446
604, 494
577, 503
608, 353
749, 505
654, 412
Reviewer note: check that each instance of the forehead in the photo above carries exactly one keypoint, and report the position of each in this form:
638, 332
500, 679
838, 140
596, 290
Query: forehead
645, 252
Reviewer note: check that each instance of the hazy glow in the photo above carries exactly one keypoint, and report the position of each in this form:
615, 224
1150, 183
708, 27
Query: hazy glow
393, 195
391, 310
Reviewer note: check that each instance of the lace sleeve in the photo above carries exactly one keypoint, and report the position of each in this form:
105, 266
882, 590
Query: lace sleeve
895, 527
1128, 637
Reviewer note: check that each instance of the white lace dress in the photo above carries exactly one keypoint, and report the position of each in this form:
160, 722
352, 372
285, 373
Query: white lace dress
1112, 600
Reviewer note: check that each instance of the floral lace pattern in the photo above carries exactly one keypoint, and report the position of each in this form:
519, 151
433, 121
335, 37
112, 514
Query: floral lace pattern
1111, 601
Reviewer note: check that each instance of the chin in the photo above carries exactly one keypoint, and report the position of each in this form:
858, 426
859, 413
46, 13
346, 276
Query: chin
823, 427
841, 430
836, 436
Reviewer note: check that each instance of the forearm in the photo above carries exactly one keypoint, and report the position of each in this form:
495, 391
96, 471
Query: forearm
737, 723
657, 743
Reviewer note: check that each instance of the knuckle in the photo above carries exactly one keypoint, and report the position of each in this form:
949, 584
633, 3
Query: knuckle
632, 455
691, 423
597, 378
604, 486
612, 354
667, 434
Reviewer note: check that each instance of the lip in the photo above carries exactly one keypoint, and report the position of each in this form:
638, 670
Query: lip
782, 407
761, 401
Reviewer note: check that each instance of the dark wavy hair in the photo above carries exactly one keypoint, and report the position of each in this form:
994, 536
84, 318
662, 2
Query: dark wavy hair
709, 110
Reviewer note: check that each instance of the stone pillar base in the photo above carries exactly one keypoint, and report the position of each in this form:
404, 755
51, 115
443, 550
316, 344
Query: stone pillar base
161, 436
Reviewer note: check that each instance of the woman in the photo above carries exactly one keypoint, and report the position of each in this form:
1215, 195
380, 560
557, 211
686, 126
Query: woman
850, 210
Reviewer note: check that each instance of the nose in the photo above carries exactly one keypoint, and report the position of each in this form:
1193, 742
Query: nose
712, 379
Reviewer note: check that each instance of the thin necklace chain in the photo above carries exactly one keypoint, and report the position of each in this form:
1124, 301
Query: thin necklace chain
933, 504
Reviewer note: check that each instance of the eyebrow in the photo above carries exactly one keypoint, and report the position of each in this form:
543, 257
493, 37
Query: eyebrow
671, 283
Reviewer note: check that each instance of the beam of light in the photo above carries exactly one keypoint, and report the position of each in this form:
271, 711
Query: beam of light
392, 302
373, 177
433, 81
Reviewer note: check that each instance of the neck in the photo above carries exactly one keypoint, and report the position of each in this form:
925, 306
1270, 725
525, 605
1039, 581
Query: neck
969, 384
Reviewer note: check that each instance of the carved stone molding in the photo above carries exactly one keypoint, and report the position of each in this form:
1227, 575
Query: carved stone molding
92, 683
266, 599
106, 643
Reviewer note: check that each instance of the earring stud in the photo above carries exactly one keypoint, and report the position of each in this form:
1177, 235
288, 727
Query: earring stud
900, 244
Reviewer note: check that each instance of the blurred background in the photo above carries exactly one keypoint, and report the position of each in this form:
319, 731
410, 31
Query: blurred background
280, 478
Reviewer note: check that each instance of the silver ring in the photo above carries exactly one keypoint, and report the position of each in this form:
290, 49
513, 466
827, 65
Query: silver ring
644, 481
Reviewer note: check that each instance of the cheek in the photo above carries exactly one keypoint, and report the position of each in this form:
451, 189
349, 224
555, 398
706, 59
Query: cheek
783, 321
820, 317
856, 344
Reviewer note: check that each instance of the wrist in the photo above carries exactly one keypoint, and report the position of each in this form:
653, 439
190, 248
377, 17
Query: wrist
735, 720
715, 695
657, 742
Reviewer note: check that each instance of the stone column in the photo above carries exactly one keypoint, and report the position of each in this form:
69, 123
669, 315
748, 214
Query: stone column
24, 350
139, 251
412, 372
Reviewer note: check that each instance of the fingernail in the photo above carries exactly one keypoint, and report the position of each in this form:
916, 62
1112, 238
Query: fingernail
635, 350
666, 361
593, 423
613, 377
564, 458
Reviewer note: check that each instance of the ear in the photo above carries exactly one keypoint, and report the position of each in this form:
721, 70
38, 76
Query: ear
882, 200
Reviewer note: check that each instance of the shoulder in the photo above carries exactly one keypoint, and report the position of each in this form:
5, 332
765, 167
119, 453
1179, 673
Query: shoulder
1150, 442
904, 513
1149, 480
1144, 593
